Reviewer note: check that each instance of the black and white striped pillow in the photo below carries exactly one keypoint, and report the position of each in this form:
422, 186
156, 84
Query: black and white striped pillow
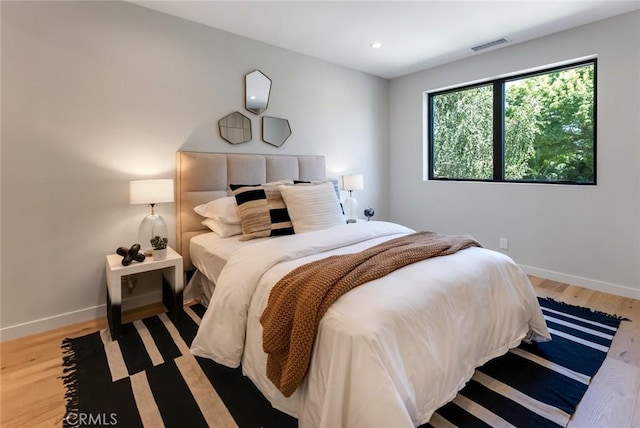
262, 210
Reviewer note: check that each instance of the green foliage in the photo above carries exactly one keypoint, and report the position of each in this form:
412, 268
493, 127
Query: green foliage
463, 134
548, 129
159, 243
560, 142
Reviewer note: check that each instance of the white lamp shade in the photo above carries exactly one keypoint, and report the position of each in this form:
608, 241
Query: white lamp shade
151, 191
352, 182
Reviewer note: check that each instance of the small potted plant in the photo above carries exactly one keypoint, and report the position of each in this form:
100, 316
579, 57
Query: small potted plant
159, 245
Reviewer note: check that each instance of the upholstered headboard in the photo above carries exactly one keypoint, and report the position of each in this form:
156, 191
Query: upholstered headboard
203, 177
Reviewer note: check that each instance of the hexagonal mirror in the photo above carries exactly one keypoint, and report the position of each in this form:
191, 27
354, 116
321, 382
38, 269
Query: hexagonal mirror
235, 128
275, 131
257, 88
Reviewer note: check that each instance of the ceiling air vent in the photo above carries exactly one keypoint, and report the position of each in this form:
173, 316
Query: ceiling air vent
490, 44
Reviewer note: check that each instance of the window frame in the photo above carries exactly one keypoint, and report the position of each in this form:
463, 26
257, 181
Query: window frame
498, 112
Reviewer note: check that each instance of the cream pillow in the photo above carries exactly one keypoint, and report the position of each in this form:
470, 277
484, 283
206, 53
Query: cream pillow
222, 209
224, 230
312, 207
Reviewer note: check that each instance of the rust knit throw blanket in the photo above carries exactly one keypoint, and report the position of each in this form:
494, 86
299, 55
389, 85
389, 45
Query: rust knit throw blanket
300, 299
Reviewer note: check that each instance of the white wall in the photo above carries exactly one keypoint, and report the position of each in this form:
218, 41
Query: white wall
583, 235
95, 94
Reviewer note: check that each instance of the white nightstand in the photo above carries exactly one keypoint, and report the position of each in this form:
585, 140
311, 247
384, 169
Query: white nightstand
172, 283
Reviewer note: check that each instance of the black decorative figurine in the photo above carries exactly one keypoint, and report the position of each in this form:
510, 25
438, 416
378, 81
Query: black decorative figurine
368, 213
130, 254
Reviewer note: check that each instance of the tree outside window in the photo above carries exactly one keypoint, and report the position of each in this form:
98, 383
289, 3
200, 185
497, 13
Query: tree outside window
529, 128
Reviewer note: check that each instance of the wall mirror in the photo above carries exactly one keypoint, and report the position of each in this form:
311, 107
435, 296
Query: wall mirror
275, 131
257, 88
235, 128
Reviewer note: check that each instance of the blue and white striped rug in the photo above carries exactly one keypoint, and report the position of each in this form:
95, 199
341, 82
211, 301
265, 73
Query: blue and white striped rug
149, 378
540, 384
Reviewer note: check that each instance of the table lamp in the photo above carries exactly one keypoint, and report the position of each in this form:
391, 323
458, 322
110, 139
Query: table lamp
151, 192
351, 183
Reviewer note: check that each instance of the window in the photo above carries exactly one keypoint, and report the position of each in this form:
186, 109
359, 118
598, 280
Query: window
533, 128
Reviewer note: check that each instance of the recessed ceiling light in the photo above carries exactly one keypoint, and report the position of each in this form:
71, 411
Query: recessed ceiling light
376, 45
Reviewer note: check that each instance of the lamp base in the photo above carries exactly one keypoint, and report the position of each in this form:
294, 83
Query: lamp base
351, 209
152, 225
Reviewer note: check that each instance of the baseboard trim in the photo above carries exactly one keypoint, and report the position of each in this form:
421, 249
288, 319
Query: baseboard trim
592, 284
82, 315
95, 312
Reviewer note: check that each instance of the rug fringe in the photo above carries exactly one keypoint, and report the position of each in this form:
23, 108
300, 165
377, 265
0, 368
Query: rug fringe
593, 311
70, 381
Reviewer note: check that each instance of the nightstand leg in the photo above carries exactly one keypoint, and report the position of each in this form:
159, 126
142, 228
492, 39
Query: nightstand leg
172, 291
114, 315
114, 302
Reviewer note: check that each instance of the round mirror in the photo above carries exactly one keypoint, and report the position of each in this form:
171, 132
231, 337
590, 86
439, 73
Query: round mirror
257, 88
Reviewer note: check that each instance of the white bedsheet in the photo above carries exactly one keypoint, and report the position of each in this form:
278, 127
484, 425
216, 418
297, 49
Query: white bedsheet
389, 352
209, 252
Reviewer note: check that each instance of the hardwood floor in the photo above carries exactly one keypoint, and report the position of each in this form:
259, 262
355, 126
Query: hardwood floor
31, 389
613, 398
32, 393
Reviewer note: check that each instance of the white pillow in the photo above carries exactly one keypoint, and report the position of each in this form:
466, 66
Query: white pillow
330, 180
312, 207
222, 209
225, 230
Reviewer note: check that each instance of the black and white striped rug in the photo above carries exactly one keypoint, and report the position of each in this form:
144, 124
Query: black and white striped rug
149, 378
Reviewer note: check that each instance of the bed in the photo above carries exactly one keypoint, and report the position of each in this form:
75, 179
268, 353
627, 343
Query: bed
387, 353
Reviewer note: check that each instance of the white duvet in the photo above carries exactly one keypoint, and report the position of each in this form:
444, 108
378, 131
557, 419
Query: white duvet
388, 353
